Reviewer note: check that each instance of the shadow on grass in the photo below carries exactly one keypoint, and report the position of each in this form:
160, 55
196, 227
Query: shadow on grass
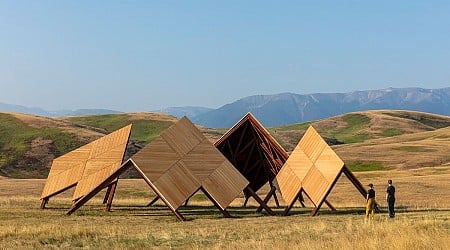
193, 212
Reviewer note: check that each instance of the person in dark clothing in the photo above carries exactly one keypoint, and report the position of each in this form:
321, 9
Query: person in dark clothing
390, 198
370, 202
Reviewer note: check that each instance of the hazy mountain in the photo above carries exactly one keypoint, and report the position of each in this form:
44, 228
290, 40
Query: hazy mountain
22, 109
41, 112
288, 108
189, 111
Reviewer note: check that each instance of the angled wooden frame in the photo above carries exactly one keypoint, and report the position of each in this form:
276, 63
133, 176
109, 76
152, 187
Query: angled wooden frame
86, 166
253, 152
314, 168
176, 165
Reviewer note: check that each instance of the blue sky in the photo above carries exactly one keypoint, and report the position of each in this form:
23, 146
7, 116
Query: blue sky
146, 55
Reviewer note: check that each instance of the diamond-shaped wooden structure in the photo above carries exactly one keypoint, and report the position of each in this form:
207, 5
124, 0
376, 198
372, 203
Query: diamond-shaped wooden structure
180, 162
87, 166
253, 151
313, 167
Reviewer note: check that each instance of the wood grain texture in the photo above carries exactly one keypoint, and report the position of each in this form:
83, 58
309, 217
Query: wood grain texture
312, 167
181, 160
69, 169
288, 183
225, 184
105, 158
252, 151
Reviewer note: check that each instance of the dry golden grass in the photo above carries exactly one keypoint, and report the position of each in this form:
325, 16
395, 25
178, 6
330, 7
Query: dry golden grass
40, 122
422, 221
403, 151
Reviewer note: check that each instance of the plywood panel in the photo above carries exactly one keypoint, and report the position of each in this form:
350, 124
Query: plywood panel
299, 162
203, 159
73, 162
312, 144
63, 180
225, 184
156, 158
329, 164
176, 185
106, 156
183, 136
315, 185
181, 160
288, 183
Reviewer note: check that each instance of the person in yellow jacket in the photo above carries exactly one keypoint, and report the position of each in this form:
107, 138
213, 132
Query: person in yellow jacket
370, 202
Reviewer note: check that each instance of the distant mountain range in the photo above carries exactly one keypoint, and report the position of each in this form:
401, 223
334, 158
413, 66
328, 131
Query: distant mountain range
42, 112
288, 108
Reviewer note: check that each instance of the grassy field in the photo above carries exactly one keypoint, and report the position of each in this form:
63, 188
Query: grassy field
422, 221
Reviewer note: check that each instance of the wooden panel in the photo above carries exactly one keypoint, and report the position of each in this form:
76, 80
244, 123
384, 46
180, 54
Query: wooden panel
288, 183
156, 158
90, 182
312, 144
329, 164
58, 178
299, 162
315, 185
106, 156
225, 184
63, 180
183, 136
177, 185
203, 159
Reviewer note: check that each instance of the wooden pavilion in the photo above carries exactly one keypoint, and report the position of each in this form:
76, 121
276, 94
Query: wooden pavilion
179, 163
86, 167
253, 152
313, 167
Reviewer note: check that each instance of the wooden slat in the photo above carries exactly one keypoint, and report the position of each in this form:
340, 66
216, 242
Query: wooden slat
183, 136
312, 144
329, 164
105, 158
203, 159
288, 183
299, 162
315, 185
156, 158
177, 185
225, 184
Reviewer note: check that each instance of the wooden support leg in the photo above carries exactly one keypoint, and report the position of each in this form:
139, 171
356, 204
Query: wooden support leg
301, 200
223, 211
330, 206
289, 207
266, 199
246, 200
108, 190
261, 202
44, 202
186, 202
276, 198
153, 201
272, 186
112, 191
178, 215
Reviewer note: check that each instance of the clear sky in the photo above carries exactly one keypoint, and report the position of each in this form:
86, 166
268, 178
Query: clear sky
147, 55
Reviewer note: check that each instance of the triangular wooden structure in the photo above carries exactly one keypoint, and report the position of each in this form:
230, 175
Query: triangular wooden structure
253, 151
180, 162
313, 167
87, 166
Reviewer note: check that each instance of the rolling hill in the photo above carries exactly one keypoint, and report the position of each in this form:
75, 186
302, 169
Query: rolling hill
369, 140
28, 143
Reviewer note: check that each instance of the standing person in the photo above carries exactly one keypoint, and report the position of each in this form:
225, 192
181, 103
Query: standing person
390, 198
370, 202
